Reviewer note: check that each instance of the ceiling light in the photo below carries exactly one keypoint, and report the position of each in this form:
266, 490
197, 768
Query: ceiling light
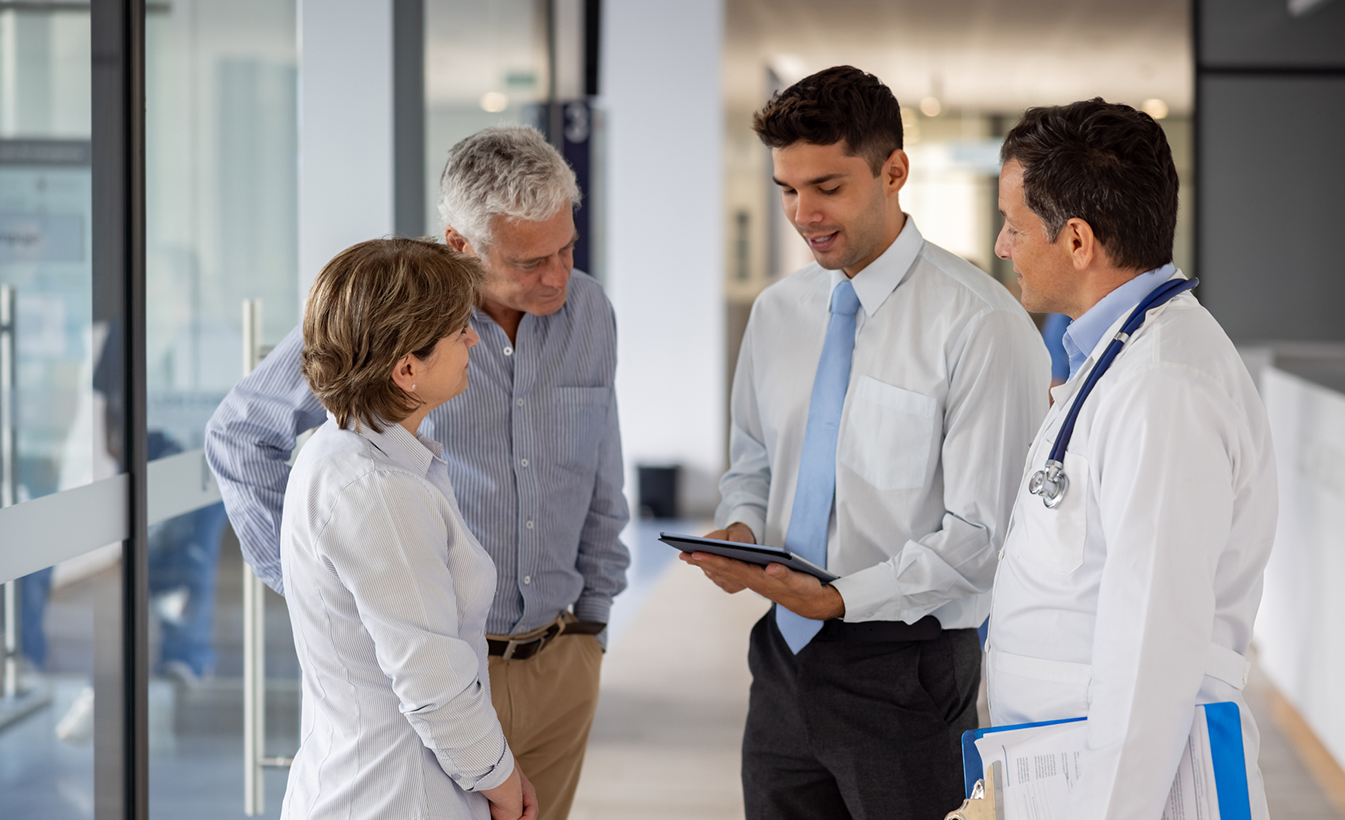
1155, 108
494, 102
930, 106
1298, 8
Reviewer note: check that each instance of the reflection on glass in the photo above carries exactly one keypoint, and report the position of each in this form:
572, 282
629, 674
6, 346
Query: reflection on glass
60, 413
221, 214
47, 733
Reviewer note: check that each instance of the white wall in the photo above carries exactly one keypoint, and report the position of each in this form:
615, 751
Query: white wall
345, 128
1302, 611
660, 87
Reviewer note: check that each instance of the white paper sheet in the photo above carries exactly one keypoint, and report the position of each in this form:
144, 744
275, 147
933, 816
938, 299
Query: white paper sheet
1042, 765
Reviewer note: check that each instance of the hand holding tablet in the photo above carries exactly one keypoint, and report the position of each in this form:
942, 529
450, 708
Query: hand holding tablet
748, 553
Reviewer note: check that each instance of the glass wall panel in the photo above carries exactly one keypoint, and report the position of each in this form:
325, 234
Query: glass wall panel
221, 212
485, 64
62, 424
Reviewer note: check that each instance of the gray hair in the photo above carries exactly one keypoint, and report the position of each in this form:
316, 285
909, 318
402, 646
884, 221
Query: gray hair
509, 171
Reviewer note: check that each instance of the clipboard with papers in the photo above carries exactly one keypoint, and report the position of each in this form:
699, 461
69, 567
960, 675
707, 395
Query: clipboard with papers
1036, 764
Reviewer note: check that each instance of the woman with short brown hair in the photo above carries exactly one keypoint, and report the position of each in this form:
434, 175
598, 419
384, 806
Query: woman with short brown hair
387, 589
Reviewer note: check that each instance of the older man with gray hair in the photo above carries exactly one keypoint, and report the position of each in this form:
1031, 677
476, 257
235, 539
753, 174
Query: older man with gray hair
533, 447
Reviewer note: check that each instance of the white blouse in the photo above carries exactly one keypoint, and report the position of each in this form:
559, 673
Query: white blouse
388, 593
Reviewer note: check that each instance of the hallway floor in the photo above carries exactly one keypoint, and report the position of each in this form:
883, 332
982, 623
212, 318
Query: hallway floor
665, 744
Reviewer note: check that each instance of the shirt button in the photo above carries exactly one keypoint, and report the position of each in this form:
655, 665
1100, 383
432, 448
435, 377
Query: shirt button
520, 402
529, 524
527, 579
1001, 555
523, 462
508, 351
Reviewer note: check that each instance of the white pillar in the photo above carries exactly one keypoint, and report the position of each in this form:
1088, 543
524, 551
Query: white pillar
345, 128
660, 86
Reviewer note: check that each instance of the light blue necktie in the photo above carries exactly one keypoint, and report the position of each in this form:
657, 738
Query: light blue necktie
807, 533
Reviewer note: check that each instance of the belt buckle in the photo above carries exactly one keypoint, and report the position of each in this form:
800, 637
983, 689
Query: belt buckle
510, 647
552, 631
541, 641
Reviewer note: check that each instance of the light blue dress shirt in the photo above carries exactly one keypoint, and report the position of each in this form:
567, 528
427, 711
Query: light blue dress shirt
1086, 331
533, 448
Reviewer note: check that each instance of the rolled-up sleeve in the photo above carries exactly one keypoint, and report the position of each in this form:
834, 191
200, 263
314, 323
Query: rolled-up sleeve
388, 545
248, 442
602, 558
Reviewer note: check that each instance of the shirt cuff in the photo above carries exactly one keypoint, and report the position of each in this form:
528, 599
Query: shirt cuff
867, 591
753, 517
495, 776
593, 608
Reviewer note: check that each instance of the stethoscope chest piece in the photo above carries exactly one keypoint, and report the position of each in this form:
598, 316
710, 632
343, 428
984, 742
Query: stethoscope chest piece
1050, 483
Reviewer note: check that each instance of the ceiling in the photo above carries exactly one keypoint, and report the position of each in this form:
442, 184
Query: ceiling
980, 55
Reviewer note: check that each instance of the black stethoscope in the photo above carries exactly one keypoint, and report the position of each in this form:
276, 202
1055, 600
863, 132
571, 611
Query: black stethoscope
1050, 482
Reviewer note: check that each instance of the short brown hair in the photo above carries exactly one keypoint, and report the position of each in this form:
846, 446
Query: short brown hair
834, 105
1106, 164
371, 306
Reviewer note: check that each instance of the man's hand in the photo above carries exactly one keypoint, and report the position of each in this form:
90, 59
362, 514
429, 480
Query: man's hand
736, 531
798, 592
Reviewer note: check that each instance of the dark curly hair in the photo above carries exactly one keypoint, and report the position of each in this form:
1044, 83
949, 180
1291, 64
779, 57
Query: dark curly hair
1106, 164
839, 104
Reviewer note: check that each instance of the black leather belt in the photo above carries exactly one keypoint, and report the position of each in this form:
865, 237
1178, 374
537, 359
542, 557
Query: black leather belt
926, 629
520, 649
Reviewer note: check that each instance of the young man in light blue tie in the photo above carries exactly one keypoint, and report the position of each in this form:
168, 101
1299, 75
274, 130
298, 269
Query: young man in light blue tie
882, 406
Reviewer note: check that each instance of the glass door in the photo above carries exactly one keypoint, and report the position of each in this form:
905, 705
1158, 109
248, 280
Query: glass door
221, 84
68, 434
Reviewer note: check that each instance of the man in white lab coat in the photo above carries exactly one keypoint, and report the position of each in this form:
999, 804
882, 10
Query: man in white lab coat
1132, 599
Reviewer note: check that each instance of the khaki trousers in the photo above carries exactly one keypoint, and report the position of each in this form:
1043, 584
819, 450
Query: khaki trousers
546, 705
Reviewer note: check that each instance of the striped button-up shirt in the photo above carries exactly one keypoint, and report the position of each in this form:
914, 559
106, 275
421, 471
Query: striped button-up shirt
533, 448
390, 593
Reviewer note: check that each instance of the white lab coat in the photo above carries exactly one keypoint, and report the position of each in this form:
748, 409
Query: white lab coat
1133, 600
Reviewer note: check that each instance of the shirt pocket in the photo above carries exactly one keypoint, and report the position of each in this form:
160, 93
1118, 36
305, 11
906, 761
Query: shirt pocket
1036, 689
579, 415
888, 434
1056, 537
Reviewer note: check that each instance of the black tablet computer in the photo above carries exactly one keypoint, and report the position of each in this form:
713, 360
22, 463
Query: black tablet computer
751, 553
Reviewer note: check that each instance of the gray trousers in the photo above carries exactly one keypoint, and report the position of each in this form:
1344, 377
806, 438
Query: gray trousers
856, 726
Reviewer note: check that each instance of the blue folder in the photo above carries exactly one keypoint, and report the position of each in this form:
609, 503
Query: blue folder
1225, 730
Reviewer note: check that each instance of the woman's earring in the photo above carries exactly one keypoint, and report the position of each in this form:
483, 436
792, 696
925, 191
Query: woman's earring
413, 387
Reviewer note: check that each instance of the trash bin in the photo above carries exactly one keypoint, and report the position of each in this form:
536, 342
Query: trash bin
658, 490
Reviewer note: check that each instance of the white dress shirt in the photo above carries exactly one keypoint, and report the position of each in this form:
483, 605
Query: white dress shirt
949, 379
1133, 600
388, 593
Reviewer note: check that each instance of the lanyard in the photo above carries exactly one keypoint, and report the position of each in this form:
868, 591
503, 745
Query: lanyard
1050, 482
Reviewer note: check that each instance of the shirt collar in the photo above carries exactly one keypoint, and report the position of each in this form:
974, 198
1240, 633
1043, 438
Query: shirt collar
877, 281
1084, 333
415, 453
